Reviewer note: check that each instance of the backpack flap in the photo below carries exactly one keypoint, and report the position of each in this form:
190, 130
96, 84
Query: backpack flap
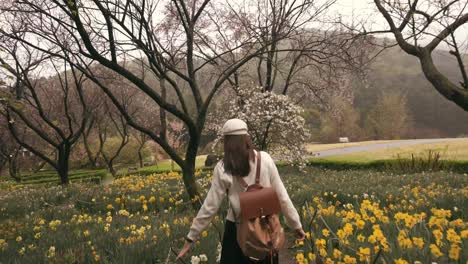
259, 203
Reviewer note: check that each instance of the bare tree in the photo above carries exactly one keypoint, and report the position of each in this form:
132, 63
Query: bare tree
294, 45
52, 111
146, 112
114, 33
177, 137
109, 123
9, 151
413, 23
300, 60
142, 139
93, 155
117, 125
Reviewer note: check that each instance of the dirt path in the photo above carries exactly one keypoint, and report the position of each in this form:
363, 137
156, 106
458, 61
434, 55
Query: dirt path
286, 257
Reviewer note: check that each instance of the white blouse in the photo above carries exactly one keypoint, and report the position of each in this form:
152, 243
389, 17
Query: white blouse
223, 181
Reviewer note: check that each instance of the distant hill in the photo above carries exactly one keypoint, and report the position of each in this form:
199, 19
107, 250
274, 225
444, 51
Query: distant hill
432, 114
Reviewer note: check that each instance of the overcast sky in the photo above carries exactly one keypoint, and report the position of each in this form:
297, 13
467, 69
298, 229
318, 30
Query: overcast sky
366, 9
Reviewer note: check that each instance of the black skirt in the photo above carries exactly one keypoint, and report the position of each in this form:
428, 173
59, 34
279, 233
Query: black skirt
231, 253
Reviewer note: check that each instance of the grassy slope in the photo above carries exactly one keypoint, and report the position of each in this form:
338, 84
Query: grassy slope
449, 150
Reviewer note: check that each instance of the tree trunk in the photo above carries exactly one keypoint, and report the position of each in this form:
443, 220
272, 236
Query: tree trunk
264, 140
110, 166
188, 169
188, 176
39, 167
89, 154
140, 155
63, 163
443, 85
13, 169
2, 165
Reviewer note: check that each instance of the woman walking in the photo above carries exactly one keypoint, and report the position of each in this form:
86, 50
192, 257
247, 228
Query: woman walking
239, 161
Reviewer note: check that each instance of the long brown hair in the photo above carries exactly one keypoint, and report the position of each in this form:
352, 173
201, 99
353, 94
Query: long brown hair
238, 151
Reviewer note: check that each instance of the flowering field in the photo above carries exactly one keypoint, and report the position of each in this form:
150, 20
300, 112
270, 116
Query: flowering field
349, 217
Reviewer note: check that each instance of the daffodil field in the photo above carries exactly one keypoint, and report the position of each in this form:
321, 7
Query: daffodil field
349, 217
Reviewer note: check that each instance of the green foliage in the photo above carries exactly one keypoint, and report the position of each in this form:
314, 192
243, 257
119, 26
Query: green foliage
341, 120
400, 165
312, 120
431, 162
389, 118
394, 71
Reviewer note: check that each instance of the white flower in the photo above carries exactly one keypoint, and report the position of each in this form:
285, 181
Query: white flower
51, 252
22, 250
218, 249
195, 260
203, 258
266, 111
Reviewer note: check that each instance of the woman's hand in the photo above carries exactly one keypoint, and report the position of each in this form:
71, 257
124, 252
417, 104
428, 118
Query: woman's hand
300, 234
184, 250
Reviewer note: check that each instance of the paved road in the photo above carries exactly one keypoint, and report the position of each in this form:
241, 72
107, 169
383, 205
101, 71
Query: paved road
346, 150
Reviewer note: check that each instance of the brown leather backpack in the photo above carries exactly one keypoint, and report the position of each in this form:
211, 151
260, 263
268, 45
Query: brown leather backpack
259, 231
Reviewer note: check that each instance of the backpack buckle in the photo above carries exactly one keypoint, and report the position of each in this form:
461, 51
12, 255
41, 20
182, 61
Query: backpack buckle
261, 212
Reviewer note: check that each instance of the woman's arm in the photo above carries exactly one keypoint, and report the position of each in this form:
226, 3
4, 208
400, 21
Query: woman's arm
210, 205
287, 207
207, 211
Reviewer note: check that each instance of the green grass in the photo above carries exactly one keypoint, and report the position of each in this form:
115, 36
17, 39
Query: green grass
319, 146
166, 166
83, 210
52, 176
317, 181
455, 152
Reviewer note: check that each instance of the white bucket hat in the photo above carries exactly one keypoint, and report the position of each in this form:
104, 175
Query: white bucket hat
235, 127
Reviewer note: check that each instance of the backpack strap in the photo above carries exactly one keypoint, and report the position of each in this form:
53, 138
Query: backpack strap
257, 173
257, 178
242, 182
259, 163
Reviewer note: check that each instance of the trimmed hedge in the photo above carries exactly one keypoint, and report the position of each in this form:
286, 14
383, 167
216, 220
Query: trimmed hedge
91, 178
146, 172
51, 176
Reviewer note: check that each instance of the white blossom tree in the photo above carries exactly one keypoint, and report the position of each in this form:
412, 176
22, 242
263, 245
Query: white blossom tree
275, 122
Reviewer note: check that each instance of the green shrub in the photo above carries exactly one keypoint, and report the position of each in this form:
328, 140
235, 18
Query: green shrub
400, 165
